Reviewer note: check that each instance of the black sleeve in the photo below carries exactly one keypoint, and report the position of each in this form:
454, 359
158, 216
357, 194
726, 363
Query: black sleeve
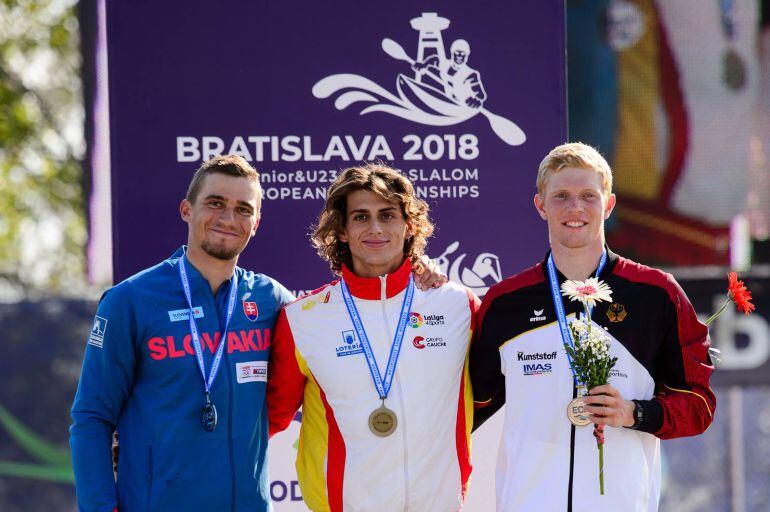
487, 379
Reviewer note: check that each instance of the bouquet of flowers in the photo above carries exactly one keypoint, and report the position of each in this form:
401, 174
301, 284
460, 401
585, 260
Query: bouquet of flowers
590, 356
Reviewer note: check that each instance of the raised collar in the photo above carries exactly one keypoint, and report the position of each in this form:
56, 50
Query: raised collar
198, 283
370, 288
612, 260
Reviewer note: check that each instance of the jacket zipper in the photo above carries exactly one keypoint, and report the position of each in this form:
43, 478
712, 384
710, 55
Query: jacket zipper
229, 412
571, 457
230, 427
402, 421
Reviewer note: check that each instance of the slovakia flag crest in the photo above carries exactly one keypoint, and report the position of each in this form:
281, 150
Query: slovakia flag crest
250, 310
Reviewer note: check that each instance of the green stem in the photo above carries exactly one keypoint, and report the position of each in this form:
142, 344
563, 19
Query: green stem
601, 469
719, 311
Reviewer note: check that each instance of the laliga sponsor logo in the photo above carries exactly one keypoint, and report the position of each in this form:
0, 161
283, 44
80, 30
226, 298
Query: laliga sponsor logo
443, 90
417, 320
484, 272
435, 320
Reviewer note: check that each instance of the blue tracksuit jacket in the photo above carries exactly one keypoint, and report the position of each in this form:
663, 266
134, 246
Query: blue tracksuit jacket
140, 376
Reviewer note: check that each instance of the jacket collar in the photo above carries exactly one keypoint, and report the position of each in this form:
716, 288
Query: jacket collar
198, 283
612, 260
370, 288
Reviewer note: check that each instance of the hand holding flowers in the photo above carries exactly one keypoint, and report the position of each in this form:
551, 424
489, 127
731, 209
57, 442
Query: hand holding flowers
589, 354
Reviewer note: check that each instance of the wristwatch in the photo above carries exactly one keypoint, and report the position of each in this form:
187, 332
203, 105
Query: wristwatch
639, 415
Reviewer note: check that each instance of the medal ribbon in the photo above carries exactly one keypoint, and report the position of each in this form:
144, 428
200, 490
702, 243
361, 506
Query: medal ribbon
566, 337
382, 385
196, 342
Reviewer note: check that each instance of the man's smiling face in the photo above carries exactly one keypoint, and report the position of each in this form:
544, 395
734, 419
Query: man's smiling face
223, 216
575, 207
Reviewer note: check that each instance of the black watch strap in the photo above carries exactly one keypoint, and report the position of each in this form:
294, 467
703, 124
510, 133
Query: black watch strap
639, 414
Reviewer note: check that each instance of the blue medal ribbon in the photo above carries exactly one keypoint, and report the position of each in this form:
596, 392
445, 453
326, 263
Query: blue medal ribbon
566, 337
196, 342
382, 385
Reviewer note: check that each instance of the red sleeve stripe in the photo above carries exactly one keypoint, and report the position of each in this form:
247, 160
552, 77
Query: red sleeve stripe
335, 458
462, 438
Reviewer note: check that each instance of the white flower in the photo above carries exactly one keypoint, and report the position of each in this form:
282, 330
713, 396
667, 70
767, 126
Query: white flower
588, 292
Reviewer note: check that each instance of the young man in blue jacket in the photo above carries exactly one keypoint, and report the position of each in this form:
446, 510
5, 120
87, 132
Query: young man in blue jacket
186, 395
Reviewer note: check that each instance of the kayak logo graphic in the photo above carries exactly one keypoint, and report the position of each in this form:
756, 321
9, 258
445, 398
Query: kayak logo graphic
484, 272
442, 91
96, 337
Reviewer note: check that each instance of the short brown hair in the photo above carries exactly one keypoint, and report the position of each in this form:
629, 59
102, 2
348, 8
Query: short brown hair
230, 165
389, 184
574, 154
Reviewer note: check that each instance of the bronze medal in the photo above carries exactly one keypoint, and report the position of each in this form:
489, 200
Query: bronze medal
576, 412
382, 421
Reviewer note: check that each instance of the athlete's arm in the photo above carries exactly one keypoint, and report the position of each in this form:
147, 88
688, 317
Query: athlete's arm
432, 60
683, 370
487, 379
105, 382
285, 381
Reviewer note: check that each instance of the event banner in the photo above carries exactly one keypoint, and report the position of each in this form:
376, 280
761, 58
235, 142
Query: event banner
465, 99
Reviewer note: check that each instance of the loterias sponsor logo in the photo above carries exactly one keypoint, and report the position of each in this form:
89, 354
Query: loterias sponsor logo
172, 347
349, 345
535, 356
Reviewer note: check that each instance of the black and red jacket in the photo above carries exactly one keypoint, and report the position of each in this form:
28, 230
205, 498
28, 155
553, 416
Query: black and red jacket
518, 358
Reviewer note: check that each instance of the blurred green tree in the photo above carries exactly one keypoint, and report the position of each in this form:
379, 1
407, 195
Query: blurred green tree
42, 199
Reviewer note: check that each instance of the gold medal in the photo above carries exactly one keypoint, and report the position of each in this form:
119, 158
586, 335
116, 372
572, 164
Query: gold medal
576, 412
382, 421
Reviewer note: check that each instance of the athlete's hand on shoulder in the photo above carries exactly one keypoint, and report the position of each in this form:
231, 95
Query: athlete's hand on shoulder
605, 405
431, 276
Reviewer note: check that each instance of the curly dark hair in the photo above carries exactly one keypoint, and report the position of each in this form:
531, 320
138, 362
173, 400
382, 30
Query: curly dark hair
389, 184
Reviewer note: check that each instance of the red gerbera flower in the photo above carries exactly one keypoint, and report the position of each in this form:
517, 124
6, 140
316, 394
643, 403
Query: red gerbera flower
738, 293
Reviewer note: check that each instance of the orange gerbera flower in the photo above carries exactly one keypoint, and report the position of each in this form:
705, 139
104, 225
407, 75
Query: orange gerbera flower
738, 293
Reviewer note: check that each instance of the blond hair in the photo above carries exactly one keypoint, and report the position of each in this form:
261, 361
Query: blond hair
574, 154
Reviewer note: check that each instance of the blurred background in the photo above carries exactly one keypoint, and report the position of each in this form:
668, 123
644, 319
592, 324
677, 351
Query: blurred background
675, 93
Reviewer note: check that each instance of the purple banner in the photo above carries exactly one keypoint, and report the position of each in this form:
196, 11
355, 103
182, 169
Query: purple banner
303, 90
